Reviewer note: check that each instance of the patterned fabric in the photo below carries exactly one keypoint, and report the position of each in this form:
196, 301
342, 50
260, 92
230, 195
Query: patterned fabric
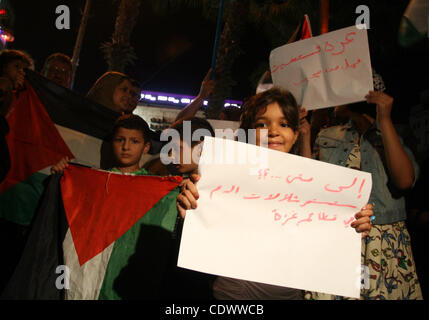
377, 81
354, 158
389, 270
389, 263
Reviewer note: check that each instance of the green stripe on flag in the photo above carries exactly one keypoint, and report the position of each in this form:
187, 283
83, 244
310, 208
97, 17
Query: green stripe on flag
19, 203
163, 216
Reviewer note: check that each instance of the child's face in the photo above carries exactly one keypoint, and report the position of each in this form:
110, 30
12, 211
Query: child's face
128, 147
122, 96
186, 165
15, 72
278, 135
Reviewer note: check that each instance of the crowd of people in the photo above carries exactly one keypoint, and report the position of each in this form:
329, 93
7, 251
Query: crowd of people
364, 138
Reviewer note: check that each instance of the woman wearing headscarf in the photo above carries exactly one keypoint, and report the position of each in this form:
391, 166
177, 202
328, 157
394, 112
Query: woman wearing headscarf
113, 90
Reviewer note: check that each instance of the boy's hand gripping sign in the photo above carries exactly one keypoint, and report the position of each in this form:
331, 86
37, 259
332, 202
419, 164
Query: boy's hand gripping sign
325, 71
285, 224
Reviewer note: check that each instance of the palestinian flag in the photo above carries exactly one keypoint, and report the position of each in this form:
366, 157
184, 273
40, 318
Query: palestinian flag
47, 122
414, 23
99, 235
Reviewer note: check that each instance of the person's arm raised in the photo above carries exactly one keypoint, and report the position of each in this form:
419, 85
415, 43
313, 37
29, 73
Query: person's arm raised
207, 87
399, 165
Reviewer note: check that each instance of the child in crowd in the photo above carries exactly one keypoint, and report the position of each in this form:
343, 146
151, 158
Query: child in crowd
275, 110
369, 142
130, 140
12, 66
187, 284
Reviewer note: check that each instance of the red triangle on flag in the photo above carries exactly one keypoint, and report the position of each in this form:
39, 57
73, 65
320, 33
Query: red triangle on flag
34, 142
101, 206
306, 28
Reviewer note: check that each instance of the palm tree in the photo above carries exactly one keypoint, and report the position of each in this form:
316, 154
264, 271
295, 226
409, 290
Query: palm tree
118, 52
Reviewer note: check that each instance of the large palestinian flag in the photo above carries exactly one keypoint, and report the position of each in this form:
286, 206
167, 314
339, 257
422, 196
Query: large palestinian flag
47, 122
100, 235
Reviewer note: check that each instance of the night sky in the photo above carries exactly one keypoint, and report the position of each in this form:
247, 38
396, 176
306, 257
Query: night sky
158, 40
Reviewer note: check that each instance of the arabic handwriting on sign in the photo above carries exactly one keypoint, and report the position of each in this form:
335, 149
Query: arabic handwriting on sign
262, 174
287, 220
271, 197
299, 177
335, 203
329, 70
232, 189
306, 220
360, 189
295, 59
347, 222
289, 198
277, 216
350, 65
327, 48
324, 217
341, 188
214, 190
332, 69
253, 196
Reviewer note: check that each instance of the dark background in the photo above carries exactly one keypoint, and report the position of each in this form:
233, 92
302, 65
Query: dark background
174, 49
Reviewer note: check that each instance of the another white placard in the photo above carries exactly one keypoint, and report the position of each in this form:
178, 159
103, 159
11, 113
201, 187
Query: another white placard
286, 224
325, 71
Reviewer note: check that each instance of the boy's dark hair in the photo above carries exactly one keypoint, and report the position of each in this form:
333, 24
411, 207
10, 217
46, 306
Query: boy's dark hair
7, 56
132, 121
259, 102
196, 123
59, 57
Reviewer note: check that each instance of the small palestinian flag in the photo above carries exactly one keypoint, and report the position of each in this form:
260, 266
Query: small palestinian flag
99, 235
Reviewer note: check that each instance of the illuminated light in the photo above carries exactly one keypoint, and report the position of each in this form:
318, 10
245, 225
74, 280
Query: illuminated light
185, 100
3, 12
227, 104
205, 102
153, 98
162, 98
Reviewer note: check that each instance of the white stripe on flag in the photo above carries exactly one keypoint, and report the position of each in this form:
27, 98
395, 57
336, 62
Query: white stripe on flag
85, 281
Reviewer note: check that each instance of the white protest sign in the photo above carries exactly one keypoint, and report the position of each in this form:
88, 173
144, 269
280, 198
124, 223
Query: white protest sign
325, 71
286, 225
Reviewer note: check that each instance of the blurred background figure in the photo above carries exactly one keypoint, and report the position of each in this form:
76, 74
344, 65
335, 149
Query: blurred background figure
114, 91
58, 68
13, 64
